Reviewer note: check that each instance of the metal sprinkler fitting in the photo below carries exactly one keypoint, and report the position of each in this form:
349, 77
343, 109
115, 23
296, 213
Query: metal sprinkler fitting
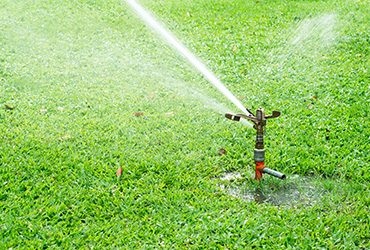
259, 121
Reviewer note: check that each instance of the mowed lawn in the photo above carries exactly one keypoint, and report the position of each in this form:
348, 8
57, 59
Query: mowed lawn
87, 88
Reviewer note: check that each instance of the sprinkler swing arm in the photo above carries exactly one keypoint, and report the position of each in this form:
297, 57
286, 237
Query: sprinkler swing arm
259, 120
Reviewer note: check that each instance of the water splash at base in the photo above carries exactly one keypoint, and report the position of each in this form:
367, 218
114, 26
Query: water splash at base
294, 191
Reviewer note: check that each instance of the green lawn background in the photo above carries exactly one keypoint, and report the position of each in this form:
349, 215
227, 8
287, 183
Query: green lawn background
77, 71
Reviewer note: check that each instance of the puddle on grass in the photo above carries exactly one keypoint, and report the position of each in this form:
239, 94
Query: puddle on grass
295, 190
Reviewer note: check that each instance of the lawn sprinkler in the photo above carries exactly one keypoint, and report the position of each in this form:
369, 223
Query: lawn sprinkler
259, 121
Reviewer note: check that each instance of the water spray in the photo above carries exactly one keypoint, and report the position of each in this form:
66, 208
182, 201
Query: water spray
185, 52
259, 121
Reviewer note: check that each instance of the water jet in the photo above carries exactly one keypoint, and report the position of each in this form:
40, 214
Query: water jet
182, 50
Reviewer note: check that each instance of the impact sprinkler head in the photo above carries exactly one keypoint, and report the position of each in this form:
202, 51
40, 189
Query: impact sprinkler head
259, 121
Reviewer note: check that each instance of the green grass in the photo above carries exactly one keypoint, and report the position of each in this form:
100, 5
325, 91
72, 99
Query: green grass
93, 64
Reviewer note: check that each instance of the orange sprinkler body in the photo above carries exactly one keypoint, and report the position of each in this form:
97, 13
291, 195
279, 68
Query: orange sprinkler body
259, 121
259, 168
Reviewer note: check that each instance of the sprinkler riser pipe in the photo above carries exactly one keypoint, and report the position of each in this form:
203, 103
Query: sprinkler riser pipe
259, 155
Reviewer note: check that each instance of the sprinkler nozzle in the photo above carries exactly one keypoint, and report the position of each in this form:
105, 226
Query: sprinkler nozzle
232, 117
259, 121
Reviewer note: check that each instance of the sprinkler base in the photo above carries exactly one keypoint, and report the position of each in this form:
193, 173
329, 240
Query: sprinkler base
259, 170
